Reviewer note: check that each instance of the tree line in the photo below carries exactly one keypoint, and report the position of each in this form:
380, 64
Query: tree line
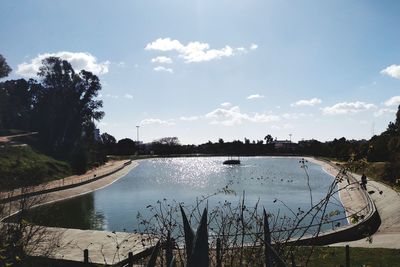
384, 147
61, 106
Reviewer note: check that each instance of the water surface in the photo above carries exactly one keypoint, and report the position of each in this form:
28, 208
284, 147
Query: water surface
263, 179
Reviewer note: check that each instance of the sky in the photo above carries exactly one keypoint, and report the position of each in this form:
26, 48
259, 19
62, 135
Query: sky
202, 70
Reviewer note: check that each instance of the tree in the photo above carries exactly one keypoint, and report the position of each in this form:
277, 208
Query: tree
268, 138
169, 141
66, 107
166, 145
17, 99
126, 146
4, 68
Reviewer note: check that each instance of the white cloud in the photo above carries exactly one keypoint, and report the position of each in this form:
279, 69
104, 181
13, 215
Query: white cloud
307, 102
194, 51
256, 96
165, 44
112, 96
192, 118
295, 116
393, 101
129, 96
198, 52
348, 108
161, 68
253, 46
246, 50
79, 61
162, 60
120, 64
157, 121
384, 111
285, 126
226, 104
264, 118
392, 71
233, 116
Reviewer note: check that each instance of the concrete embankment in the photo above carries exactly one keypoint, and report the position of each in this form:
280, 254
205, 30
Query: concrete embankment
387, 202
357, 204
67, 188
109, 248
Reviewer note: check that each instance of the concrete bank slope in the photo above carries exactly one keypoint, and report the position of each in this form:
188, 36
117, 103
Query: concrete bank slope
356, 202
109, 248
388, 206
117, 169
350, 192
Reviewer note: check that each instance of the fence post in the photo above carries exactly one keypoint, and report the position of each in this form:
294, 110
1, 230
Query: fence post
219, 263
168, 249
293, 260
130, 259
86, 256
267, 241
347, 256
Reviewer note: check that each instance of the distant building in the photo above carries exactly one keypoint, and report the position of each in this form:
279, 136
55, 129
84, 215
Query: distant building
284, 145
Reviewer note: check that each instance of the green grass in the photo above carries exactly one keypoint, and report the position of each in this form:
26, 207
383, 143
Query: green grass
335, 256
23, 166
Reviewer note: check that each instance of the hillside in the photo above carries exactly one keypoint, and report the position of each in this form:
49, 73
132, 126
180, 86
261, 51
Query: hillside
23, 166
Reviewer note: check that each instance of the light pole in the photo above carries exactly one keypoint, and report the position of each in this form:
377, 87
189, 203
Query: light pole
137, 133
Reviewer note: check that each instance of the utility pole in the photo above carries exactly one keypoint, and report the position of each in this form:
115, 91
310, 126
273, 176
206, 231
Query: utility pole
137, 133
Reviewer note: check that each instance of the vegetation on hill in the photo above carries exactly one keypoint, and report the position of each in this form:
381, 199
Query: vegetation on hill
61, 106
23, 166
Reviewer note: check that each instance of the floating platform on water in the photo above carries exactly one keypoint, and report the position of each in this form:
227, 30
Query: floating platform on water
232, 162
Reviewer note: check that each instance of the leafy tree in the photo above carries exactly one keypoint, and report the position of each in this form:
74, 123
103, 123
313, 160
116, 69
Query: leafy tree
166, 146
126, 146
170, 141
66, 107
268, 138
4, 68
17, 99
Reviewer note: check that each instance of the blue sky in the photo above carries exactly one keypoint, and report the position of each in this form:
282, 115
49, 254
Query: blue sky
203, 70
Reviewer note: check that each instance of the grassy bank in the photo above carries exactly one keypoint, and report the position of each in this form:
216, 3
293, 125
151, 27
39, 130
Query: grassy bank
23, 166
335, 256
374, 170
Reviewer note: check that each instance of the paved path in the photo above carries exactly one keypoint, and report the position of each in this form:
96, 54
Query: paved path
388, 206
103, 247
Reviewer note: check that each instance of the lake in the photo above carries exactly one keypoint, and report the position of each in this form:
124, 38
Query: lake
263, 179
